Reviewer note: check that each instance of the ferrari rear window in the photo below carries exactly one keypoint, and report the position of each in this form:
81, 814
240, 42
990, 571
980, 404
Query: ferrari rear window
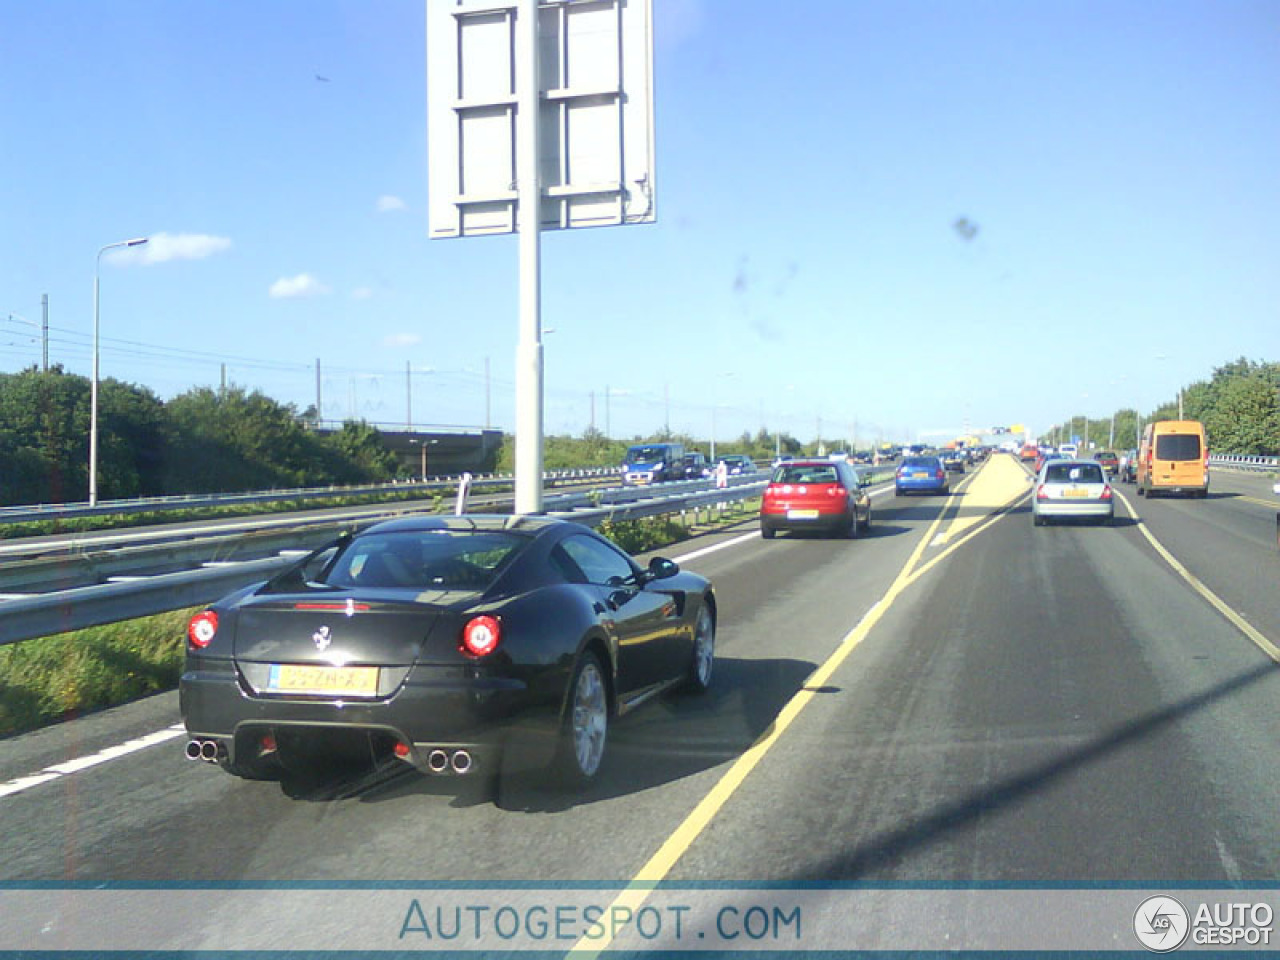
424, 560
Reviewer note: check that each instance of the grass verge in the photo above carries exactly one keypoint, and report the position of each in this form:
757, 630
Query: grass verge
49, 679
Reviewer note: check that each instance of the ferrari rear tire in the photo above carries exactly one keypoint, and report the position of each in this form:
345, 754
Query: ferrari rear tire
585, 728
704, 651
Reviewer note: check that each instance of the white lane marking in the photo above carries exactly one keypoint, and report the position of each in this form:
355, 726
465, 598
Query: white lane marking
26, 783
717, 546
84, 763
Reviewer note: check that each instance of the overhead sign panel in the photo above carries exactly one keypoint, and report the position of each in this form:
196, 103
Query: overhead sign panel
596, 116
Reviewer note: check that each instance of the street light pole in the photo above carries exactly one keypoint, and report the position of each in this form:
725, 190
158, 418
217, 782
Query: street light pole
93, 388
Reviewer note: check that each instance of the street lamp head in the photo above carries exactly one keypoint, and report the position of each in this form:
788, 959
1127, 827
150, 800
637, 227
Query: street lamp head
136, 241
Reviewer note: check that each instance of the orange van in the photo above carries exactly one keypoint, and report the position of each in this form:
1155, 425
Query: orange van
1173, 458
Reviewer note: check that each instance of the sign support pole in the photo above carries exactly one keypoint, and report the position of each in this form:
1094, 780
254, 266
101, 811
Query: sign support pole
528, 222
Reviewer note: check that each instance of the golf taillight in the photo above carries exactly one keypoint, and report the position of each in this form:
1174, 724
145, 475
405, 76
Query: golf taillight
1106, 492
1040, 493
480, 636
201, 629
942, 474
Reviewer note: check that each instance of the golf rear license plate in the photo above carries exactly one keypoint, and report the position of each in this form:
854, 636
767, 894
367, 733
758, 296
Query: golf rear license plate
332, 681
802, 514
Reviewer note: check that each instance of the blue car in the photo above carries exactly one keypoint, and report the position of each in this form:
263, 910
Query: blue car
921, 475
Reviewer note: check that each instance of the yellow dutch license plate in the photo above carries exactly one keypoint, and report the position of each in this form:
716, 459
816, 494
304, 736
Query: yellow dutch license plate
334, 681
802, 514
1075, 494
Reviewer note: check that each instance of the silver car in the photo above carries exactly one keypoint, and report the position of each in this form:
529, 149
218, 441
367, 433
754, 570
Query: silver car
1072, 488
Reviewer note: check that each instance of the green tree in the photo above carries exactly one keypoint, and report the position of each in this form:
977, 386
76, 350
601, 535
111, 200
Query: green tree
1246, 417
45, 443
233, 440
359, 455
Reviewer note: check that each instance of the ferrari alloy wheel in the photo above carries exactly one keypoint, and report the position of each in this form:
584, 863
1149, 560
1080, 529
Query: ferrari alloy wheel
586, 723
704, 651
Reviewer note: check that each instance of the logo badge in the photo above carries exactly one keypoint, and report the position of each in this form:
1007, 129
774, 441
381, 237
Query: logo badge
1161, 924
322, 638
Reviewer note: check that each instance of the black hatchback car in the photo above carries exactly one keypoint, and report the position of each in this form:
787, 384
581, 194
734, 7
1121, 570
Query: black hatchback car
456, 644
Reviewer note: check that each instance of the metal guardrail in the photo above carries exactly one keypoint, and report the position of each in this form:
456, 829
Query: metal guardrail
27, 617
65, 511
1239, 462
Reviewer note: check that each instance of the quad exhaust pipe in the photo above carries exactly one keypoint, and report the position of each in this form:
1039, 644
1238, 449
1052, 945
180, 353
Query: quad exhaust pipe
207, 750
446, 761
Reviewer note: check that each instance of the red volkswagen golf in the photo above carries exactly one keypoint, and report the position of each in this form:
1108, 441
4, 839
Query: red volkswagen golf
815, 495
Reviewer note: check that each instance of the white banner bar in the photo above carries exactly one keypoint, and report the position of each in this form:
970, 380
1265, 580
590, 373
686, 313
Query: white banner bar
427, 919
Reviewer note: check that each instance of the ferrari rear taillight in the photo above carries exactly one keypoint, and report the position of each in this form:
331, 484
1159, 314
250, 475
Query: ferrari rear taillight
480, 636
202, 628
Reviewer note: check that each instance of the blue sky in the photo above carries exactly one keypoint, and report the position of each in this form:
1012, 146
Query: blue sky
1120, 162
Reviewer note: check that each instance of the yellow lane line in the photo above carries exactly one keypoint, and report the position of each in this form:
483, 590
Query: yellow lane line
678, 844
1239, 622
1266, 503
998, 483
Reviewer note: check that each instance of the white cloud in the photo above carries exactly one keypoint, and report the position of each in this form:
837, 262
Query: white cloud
163, 247
387, 203
303, 285
401, 340
362, 293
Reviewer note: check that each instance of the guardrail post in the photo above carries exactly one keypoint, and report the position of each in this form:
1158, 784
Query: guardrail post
464, 495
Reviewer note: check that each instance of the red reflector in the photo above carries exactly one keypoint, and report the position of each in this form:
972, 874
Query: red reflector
202, 628
402, 750
347, 607
480, 636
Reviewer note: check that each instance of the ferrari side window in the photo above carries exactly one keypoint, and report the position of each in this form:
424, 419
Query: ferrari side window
601, 563
563, 564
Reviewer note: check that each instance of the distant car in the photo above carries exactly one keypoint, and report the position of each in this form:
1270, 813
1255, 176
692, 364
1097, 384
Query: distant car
696, 467
815, 495
1128, 472
920, 475
738, 464
1047, 455
1276, 489
1071, 450
955, 461
469, 645
1072, 489
1029, 453
1110, 461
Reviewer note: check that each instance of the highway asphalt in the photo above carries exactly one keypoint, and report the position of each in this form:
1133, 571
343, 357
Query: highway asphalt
938, 702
